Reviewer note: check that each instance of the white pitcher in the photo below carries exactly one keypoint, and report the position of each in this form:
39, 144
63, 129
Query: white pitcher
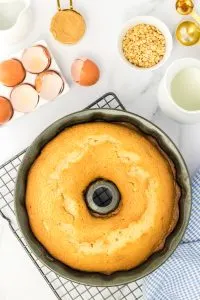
15, 20
167, 103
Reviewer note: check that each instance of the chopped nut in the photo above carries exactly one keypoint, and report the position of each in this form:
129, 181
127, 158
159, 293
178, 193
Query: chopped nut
144, 45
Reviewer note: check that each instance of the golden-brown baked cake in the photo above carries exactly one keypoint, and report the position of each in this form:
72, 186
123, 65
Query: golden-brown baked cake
58, 213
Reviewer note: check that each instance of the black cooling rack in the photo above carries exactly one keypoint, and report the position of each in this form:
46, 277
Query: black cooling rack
62, 288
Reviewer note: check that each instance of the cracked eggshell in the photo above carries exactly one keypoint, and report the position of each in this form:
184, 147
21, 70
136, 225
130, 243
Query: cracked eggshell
24, 98
49, 84
84, 71
36, 59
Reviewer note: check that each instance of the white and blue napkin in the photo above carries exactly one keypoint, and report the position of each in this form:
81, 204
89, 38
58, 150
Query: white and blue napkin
179, 277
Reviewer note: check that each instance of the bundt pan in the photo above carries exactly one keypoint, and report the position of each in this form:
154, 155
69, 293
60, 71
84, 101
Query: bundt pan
158, 258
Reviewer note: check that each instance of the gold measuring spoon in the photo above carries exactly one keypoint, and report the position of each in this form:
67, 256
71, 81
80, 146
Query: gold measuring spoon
186, 7
188, 33
67, 26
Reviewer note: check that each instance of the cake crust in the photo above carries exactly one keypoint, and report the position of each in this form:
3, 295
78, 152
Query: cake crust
59, 216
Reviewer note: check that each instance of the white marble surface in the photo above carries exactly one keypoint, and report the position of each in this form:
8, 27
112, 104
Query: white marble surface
137, 91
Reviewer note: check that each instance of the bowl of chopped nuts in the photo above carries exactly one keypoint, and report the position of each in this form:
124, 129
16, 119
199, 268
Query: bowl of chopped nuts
145, 43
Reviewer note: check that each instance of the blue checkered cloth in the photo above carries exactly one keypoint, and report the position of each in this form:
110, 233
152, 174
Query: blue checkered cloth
179, 277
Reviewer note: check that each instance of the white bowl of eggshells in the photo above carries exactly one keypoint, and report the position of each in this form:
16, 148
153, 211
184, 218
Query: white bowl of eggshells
132, 55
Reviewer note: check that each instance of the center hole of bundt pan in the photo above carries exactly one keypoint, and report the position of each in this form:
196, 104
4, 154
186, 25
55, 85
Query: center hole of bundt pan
102, 197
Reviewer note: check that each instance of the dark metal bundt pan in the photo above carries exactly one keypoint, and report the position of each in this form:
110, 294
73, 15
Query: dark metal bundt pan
183, 180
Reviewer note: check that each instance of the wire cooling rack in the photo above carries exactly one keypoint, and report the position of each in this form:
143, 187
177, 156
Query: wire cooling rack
62, 288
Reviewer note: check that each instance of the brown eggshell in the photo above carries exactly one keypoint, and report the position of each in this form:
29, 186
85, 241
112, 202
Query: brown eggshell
85, 72
24, 98
12, 72
49, 84
6, 110
36, 59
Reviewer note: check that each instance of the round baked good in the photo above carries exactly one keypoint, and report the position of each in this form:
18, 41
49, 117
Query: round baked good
57, 210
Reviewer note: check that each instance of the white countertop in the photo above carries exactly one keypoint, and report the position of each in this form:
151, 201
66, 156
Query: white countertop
137, 91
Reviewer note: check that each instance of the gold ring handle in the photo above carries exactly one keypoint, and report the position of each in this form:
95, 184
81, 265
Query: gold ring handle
70, 5
58, 5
